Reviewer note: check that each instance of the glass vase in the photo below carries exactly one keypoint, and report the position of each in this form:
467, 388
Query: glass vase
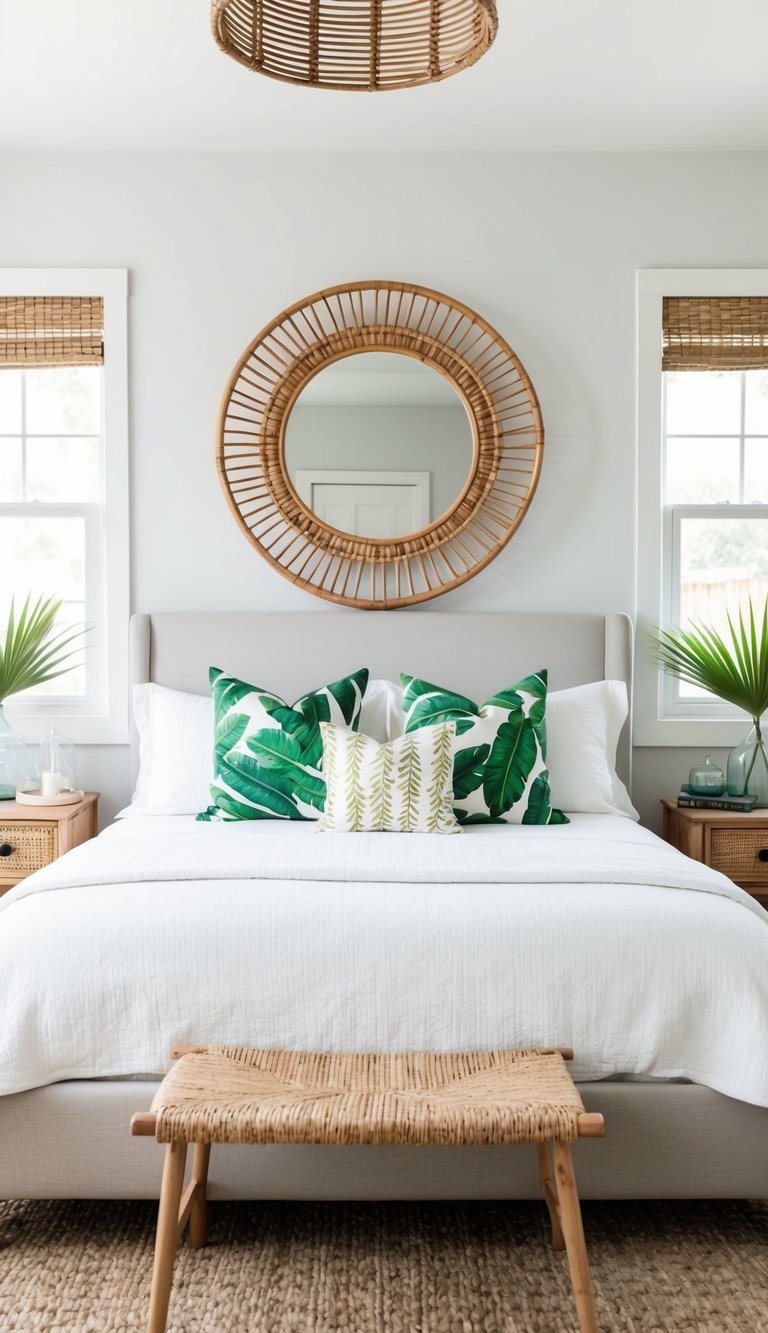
56, 762
13, 759
748, 767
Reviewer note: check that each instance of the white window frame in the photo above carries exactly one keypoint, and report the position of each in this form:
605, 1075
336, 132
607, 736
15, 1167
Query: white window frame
660, 719
106, 722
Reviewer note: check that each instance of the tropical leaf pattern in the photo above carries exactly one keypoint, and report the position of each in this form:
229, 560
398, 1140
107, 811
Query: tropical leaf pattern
402, 787
500, 773
268, 755
354, 781
507, 768
468, 768
442, 775
408, 784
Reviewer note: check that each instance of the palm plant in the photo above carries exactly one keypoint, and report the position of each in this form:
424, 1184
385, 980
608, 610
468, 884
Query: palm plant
31, 651
734, 667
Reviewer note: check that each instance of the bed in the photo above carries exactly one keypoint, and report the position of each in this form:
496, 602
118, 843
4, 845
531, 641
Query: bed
594, 934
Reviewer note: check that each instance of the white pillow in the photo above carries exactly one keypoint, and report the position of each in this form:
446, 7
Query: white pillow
402, 786
583, 728
175, 752
381, 715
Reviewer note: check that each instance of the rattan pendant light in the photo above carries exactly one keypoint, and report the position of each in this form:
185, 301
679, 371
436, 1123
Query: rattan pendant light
357, 45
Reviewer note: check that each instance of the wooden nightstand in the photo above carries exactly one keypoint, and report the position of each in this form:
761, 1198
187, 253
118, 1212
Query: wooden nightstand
37, 834
735, 844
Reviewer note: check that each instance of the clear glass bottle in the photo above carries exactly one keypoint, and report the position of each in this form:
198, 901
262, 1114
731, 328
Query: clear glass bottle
748, 767
13, 759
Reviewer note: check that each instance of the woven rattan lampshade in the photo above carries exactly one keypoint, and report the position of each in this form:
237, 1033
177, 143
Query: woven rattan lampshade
357, 45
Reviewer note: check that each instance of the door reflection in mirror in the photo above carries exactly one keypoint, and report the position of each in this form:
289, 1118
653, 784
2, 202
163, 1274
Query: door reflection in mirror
379, 444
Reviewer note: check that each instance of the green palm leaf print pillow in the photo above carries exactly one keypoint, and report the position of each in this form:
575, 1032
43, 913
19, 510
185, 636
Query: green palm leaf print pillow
500, 750
268, 754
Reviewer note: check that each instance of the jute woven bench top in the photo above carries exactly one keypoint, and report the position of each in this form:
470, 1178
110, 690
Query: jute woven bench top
234, 1094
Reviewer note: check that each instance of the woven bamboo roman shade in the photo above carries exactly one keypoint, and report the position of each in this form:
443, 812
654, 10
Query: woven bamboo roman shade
715, 333
51, 331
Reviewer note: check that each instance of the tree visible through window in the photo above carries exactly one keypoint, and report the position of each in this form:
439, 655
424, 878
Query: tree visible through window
715, 494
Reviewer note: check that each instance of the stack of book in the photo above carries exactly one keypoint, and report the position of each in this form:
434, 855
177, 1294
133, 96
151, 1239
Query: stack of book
691, 801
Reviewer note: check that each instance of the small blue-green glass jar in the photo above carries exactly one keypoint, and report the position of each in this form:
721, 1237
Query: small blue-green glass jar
706, 779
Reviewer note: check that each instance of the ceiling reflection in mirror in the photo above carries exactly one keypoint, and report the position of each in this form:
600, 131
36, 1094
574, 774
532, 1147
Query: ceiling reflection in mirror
379, 445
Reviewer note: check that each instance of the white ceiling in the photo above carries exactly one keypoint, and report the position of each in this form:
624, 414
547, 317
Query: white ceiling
563, 75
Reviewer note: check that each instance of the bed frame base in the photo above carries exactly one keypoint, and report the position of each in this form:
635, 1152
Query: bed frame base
662, 1141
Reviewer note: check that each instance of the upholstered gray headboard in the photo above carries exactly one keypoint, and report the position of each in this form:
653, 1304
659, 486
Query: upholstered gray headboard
476, 653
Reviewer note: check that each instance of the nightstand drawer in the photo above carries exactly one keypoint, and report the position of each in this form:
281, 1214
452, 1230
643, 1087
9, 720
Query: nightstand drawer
34, 846
740, 853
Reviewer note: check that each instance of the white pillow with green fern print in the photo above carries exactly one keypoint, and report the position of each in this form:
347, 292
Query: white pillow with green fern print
267, 754
403, 786
499, 765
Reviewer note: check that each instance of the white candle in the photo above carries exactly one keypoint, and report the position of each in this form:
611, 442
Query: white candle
50, 784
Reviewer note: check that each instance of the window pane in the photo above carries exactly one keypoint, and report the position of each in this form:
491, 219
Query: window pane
10, 471
702, 471
722, 562
63, 469
706, 402
43, 556
70, 618
65, 400
46, 556
756, 471
756, 402
10, 402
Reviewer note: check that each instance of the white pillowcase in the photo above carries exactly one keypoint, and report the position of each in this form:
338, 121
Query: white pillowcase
583, 729
175, 752
382, 715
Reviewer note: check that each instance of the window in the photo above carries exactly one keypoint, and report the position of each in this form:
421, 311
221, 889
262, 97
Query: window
63, 491
715, 505
51, 504
703, 478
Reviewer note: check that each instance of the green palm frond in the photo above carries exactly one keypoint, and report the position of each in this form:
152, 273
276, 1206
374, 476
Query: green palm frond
32, 652
733, 667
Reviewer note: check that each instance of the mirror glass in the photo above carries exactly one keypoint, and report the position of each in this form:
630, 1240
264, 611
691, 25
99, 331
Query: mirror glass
379, 445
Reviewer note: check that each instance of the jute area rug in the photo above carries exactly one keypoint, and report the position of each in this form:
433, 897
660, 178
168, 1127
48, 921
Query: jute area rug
83, 1267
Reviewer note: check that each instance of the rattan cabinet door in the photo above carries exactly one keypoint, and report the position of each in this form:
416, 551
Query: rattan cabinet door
32, 846
740, 853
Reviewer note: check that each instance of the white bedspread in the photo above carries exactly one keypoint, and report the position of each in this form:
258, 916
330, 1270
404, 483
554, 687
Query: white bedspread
594, 935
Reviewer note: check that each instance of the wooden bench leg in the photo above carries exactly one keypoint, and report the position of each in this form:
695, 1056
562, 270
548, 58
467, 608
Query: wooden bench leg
573, 1233
198, 1215
167, 1236
546, 1174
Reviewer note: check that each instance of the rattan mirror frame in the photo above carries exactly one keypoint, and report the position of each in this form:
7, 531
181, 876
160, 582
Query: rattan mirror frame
446, 335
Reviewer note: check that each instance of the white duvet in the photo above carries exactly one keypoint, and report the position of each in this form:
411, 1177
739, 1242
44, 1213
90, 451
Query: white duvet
594, 935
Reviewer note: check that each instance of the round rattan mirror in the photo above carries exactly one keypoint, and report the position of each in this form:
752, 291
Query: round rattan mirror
400, 504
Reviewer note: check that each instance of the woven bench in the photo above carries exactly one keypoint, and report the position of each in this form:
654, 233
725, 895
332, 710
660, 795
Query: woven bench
233, 1094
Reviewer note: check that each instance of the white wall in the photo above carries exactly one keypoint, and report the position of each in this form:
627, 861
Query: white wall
545, 246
